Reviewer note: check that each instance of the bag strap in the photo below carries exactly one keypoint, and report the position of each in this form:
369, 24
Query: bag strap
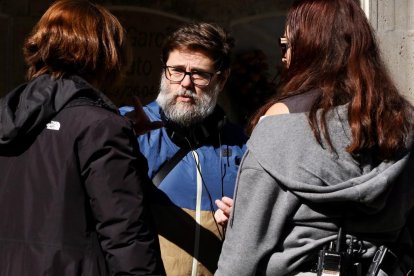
167, 167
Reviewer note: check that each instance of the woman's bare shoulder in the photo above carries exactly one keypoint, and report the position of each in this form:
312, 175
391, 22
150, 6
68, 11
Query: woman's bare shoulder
277, 109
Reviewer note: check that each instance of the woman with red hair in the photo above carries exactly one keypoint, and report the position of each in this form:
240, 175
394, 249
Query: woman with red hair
327, 166
72, 183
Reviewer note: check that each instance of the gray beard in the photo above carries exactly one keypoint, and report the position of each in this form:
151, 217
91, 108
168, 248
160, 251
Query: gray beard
182, 113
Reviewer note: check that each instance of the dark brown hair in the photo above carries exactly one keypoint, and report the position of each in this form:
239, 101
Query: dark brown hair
77, 37
333, 48
208, 38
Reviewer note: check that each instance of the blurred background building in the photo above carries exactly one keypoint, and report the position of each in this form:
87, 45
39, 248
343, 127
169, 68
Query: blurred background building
256, 25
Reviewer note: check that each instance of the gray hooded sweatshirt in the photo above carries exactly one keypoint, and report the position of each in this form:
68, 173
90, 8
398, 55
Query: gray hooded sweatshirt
292, 194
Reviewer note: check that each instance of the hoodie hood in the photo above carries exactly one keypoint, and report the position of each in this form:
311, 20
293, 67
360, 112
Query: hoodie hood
284, 145
32, 105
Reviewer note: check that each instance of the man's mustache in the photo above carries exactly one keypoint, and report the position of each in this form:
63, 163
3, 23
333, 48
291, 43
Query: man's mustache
186, 93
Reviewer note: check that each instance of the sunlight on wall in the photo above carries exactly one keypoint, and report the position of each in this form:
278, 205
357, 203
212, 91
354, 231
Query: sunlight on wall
365, 4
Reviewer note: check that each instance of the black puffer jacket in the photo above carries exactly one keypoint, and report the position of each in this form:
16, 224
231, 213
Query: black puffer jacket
71, 185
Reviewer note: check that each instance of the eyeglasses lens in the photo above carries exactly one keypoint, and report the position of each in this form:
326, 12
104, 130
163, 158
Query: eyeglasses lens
283, 43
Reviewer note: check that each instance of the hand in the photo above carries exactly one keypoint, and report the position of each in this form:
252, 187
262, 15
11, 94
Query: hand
225, 206
140, 120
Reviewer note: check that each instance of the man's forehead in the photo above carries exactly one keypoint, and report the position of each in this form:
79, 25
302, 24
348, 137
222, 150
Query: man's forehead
193, 58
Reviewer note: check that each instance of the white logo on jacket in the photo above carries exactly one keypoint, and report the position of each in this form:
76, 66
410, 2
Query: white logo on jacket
53, 125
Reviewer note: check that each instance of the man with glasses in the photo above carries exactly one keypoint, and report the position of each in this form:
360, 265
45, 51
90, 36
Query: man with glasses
193, 159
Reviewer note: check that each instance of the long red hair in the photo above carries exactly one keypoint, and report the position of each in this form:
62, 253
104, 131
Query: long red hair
333, 48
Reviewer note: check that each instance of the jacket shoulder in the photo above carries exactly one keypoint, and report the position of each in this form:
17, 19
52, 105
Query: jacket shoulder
153, 110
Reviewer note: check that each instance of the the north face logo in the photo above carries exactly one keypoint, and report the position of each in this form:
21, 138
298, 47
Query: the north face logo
53, 125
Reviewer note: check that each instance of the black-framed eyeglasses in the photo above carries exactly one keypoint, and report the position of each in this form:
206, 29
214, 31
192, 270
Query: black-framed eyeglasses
198, 78
284, 45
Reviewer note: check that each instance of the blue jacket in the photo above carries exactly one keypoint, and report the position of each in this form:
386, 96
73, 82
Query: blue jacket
188, 192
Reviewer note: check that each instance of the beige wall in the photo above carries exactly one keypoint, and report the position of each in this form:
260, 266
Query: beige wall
393, 21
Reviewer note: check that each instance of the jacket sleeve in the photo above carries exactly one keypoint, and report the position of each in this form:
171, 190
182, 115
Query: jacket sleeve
115, 174
260, 212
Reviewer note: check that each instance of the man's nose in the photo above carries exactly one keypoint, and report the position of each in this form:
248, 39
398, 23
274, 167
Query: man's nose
186, 82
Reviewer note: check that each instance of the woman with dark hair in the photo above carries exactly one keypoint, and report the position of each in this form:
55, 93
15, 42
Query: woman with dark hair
72, 185
327, 165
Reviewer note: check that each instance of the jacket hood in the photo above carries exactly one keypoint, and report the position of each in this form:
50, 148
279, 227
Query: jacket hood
284, 145
33, 104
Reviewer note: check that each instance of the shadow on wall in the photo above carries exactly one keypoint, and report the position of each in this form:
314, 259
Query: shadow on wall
256, 64
249, 85
146, 30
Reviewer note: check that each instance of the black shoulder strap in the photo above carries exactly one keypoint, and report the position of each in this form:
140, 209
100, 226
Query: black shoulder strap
167, 167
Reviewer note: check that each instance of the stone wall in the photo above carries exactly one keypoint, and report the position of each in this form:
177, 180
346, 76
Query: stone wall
393, 21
